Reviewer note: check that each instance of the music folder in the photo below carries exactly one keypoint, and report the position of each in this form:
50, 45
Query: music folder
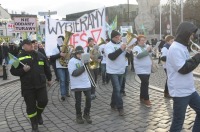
85, 58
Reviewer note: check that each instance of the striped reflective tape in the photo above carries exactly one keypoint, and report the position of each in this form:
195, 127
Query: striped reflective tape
32, 115
25, 57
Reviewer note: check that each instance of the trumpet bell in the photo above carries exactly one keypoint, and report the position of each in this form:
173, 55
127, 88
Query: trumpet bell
194, 47
93, 65
131, 38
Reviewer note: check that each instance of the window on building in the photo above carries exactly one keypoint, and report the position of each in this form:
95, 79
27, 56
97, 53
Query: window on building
1, 32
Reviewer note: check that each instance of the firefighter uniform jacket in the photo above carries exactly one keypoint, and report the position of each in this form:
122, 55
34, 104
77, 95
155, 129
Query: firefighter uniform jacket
35, 78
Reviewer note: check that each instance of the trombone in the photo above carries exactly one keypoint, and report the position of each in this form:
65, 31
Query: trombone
86, 58
90, 76
194, 45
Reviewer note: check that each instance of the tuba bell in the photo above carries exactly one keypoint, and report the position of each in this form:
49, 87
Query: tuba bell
66, 49
102, 41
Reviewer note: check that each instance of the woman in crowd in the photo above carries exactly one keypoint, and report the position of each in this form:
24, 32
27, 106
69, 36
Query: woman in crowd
142, 65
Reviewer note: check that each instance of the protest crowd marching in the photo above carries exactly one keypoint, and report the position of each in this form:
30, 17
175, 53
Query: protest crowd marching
79, 54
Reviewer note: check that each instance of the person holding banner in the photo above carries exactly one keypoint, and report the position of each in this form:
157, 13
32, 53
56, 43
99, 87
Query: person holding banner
33, 71
115, 67
80, 82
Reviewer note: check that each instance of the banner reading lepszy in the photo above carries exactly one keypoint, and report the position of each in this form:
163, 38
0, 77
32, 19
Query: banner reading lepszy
89, 25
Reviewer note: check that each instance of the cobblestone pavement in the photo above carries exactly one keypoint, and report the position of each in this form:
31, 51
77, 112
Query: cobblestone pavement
60, 116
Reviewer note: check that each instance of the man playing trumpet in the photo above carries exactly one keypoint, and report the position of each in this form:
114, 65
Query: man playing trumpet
115, 66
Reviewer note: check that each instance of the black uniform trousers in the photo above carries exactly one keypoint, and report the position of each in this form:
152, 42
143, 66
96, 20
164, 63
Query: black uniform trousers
78, 95
36, 100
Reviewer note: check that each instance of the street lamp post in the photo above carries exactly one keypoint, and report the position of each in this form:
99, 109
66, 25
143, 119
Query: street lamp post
170, 17
181, 10
128, 12
160, 21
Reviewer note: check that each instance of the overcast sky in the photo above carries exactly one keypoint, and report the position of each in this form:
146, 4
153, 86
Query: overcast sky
62, 7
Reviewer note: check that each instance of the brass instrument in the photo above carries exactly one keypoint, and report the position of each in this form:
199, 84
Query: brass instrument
131, 38
84, 59
90, 76
102, 41
194, 45
95, 54
66, 49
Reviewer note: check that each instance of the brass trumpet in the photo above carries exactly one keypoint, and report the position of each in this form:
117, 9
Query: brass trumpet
131, 39
194, 45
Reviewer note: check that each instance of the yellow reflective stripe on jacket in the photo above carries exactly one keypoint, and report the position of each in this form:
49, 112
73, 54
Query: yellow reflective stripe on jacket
41, 63
25, 57
40, 108
32, 115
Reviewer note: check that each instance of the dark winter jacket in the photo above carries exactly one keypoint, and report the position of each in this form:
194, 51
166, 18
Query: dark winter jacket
35, 78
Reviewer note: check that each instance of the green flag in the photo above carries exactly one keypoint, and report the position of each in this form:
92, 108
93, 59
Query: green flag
13, 60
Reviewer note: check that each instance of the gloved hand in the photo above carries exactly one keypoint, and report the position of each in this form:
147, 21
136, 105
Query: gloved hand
196, 57
26, 68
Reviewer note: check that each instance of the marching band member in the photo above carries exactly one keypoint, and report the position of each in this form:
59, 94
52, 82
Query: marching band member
181, 86
115, 67
142, 65
33, 82
62, 71
169, 40
80, 83
105, 78
93, 49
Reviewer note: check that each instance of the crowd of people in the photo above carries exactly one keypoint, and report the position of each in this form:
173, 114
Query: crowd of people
111, 60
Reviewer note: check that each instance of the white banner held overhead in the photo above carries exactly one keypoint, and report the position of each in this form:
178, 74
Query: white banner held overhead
25, 24
88, 25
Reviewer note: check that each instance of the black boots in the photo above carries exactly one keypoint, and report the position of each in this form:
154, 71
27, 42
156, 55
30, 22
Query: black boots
40, 120
34, 124
39, 116
79, 119
87, 118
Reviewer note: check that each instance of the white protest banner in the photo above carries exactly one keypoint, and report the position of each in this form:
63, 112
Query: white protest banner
88, 25
25, 24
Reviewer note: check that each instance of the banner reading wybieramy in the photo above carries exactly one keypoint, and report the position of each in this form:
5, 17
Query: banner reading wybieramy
88, 25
